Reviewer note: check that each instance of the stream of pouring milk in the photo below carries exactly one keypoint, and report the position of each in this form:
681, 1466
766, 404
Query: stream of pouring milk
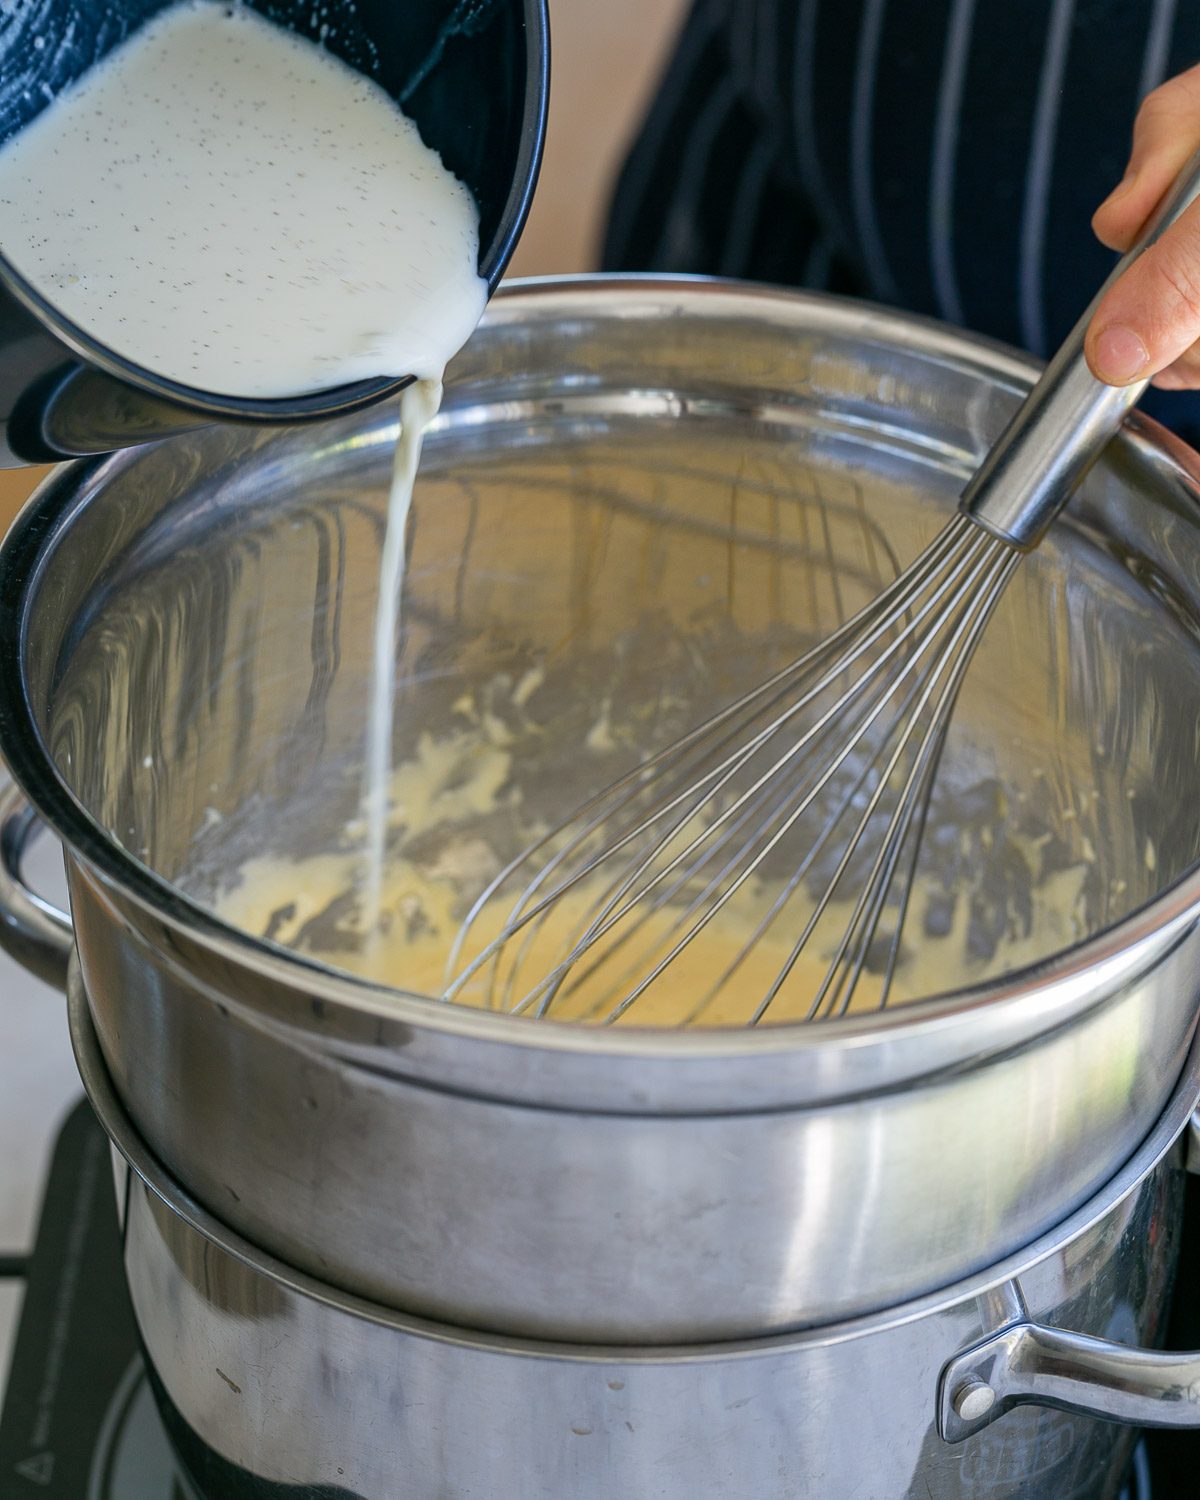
232, 207
418, 406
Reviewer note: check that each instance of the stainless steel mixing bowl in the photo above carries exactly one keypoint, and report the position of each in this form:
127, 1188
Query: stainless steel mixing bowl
267, 1376
632, 484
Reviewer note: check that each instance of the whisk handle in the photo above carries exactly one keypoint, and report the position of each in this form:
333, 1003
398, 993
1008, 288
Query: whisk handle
1064, 423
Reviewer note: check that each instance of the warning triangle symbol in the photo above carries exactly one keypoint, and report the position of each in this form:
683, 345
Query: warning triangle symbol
38, 1469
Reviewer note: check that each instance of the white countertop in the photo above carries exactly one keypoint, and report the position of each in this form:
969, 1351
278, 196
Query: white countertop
38, 1085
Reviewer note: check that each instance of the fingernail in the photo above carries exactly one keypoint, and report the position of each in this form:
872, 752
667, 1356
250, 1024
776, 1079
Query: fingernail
1119, 355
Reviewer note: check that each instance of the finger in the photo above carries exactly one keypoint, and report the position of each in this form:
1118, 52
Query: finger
1151, 314
1165, 133
1183, 375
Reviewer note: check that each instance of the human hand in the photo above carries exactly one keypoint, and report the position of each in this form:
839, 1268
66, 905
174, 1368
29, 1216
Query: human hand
1148, 323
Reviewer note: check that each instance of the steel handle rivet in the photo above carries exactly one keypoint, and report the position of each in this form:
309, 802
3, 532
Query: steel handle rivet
972, 1400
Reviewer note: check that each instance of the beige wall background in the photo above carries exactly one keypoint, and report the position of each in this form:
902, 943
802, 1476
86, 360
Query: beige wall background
607, 57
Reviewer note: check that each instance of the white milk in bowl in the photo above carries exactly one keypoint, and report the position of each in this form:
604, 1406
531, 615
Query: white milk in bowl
230, 206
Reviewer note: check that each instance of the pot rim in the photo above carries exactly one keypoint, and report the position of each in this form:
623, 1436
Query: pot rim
920, 1037
1183, 1106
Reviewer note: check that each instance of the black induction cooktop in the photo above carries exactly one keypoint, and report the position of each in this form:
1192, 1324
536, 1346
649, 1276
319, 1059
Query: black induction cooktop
80, 1421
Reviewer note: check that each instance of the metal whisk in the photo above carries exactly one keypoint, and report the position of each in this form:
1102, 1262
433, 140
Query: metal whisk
788, 827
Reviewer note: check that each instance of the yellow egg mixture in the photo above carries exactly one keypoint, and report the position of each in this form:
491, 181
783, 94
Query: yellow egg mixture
451, 785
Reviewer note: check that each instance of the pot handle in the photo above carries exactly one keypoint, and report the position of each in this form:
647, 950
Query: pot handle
32, 930
1028, 1364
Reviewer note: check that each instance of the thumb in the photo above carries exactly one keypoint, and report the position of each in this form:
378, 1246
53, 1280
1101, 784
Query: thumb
1151, 313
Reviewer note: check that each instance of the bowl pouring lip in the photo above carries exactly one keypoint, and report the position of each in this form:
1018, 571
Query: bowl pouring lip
974, 1021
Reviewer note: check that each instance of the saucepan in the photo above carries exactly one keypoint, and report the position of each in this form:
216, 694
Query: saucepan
631, 483
1025, 1382
473, 74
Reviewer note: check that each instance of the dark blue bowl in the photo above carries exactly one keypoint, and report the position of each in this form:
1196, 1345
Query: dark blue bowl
473, 74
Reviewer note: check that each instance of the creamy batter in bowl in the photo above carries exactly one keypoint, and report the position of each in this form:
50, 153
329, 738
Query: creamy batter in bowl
231, 206
997, 891
638, 497
80, 375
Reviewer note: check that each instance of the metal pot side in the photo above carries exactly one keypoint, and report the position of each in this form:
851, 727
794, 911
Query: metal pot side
269, 1378
586, 1225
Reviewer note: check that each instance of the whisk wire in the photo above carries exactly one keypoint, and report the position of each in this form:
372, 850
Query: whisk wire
836, 991
878, 879
709, 786
667, 760
973, 566
656, 857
